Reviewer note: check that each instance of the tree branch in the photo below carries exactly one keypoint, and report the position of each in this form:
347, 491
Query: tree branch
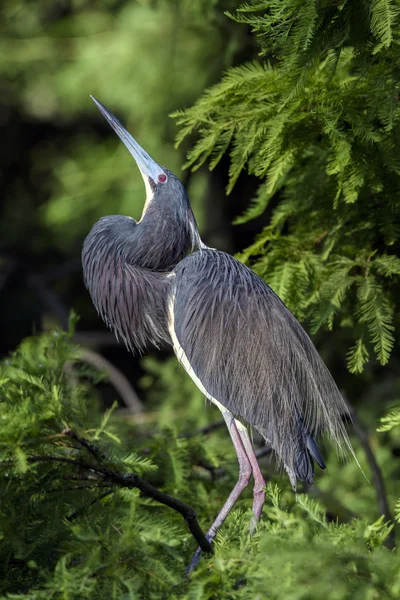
129, 481
204, 430
116, 378
134, 481
95, 338
71, 461
377, 478
91, 448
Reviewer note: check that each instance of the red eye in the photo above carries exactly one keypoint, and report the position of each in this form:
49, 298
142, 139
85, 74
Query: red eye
162, 178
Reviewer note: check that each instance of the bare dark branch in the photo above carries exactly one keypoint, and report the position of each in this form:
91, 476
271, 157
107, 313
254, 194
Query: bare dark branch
376, 473
204, 430
94, 450
63, 459
128, 481
134, 481
95, 338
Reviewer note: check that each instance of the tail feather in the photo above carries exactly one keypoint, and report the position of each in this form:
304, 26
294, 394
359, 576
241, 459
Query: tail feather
305, 452
314, 451
303, 464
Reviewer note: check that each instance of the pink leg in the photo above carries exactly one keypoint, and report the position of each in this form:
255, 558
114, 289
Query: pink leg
259, 481
245, 470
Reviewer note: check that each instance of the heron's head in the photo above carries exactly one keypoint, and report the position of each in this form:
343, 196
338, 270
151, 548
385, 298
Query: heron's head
160, 183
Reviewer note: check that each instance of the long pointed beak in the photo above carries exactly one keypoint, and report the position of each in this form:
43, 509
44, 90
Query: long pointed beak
143, 160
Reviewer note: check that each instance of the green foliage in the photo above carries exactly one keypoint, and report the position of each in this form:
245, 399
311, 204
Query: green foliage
273, 564
69, 535
387, 423
391, 420
64, 534
318, 121
57, 526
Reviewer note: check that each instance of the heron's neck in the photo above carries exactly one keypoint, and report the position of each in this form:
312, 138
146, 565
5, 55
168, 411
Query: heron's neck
165, 235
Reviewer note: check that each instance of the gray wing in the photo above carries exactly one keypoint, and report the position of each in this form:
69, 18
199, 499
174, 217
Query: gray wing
251, 354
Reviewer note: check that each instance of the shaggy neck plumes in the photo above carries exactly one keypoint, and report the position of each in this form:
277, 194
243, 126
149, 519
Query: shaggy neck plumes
166, 234
126, 269
128, 297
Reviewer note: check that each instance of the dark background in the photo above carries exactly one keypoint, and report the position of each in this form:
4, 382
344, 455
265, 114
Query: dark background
61, 165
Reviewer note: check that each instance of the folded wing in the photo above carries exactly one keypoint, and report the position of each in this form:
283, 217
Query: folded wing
249, 353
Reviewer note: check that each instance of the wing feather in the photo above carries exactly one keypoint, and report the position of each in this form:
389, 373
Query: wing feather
251, 354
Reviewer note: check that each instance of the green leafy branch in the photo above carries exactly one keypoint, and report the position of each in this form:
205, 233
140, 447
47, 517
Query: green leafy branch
317, 122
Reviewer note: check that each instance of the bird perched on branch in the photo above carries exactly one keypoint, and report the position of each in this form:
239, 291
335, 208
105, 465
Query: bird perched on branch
155, 282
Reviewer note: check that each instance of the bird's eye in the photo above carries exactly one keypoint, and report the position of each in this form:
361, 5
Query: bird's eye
162, 178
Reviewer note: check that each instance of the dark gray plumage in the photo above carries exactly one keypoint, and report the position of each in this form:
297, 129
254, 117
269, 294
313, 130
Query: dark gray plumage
125, 266
253, 356
154, 281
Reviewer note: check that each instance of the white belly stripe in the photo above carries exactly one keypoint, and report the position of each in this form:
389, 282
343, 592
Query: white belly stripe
183, 359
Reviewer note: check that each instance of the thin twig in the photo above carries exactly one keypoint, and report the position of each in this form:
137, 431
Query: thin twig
90, 478
204, 430
94, 450
62, 459
377, 478
116, 378
81, 510
92, 486
95, 338
128, 481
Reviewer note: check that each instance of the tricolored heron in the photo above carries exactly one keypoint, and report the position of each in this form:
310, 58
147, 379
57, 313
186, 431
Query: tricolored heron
154, 281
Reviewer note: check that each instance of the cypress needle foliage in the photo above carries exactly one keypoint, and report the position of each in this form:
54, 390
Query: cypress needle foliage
60, 525
69, 532
316, 119
66, 530
388, 423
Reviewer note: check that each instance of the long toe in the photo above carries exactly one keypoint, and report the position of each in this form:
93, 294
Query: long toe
196, 556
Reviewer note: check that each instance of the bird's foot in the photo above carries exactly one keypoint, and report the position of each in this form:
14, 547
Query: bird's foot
197, 555
253, 525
